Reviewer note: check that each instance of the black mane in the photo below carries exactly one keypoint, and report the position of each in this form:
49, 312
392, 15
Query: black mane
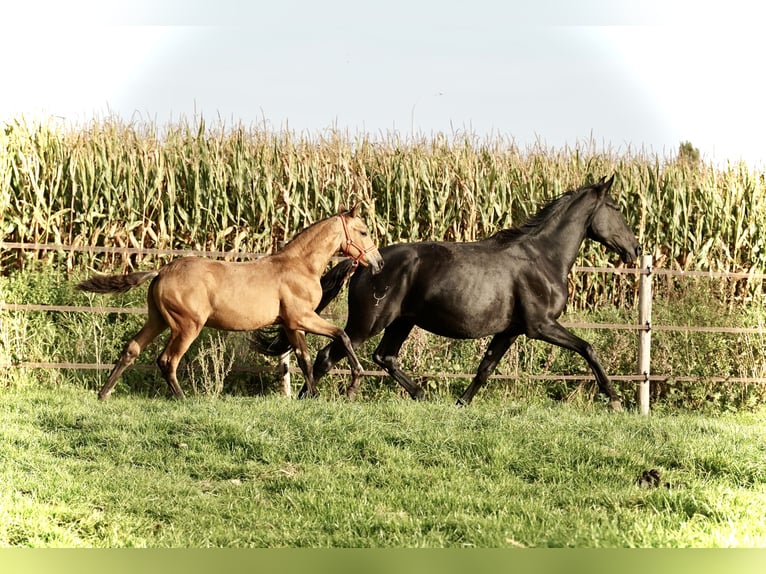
543, 215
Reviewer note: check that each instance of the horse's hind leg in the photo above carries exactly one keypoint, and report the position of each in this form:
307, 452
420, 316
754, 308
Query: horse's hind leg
359, 328
181, 337
497, 348
387, 352
298, 341
325, 360
154, 326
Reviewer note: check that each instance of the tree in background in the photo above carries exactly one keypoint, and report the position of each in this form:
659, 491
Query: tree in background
687, 152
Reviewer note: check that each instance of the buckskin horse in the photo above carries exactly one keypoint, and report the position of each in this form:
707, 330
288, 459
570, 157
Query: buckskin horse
512, 283
192, 292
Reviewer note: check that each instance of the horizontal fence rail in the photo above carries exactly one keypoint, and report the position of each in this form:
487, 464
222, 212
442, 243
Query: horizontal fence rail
570, 325
125, 250
250, 255
640, 327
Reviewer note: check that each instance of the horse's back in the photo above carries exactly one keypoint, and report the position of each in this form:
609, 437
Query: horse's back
434, 262
459, 290
221, 294
217, 272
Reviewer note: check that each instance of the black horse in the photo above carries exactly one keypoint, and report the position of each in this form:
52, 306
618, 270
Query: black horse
512, 283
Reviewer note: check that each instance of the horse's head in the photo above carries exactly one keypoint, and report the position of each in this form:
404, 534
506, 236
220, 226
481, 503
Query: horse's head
608, 226
357, 243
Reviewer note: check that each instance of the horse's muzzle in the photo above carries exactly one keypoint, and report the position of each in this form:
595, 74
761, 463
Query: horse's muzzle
629, 257
375, 261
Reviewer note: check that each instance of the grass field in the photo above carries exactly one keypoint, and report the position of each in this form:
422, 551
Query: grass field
272, 472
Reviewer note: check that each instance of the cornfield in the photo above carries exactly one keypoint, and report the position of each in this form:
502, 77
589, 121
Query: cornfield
244, 188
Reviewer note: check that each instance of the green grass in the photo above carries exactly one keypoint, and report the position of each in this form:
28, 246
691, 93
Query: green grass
271, 472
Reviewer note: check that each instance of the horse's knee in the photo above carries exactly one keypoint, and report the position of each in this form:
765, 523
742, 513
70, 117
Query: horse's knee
384, 361
323, 355
590, 353
130, 352
163, 362
321, 365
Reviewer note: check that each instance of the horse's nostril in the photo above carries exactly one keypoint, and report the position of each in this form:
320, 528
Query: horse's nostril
639, 251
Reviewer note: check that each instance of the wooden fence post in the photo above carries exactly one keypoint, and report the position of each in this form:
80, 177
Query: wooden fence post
284, 368
644, 335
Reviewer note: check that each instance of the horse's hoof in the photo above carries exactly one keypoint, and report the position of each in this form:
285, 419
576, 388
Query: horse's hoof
616, 406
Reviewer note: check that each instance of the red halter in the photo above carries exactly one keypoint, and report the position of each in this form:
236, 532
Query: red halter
351, 243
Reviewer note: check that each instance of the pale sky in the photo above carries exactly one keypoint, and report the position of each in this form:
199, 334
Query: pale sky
626, 75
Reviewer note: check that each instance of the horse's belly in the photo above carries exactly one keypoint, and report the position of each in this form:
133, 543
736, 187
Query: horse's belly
460, 326
455, 315
243, 317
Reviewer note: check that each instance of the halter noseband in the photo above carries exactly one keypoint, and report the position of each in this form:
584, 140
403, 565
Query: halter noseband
351, 243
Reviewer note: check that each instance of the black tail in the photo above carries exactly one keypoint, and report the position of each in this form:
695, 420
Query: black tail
115, 283
273, 341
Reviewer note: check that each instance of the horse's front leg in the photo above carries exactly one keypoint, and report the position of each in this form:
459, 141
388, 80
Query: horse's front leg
556, 334
387, 352
497, 348
319, 326
327, 357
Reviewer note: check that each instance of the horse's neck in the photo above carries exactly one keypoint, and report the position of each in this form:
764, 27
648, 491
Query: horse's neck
565, 234
315, 246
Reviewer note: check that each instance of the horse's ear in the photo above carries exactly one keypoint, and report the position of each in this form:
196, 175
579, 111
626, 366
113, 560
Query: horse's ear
605, 185
343, 210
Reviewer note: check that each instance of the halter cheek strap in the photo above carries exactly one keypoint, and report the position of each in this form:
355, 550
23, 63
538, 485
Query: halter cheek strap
351, 243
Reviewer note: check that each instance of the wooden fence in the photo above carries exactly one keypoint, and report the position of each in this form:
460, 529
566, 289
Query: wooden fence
643, 326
